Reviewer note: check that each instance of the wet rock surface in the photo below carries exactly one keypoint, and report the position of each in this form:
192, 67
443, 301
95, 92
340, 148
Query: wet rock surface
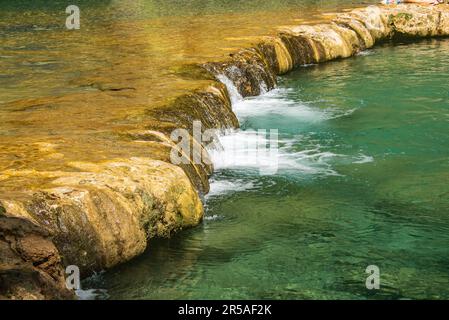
105, 212
30, 264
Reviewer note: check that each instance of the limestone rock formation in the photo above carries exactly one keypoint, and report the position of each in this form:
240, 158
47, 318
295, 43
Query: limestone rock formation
30, 265
105, 213
255, 69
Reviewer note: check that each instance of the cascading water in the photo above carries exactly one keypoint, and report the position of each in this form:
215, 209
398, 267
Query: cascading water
362, 181
361, 178
240, 149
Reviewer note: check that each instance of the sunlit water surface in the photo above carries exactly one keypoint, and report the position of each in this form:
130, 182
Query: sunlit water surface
363, 180
72, 95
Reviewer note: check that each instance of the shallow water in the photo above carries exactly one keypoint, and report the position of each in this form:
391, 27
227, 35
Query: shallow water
362, 180
70, 96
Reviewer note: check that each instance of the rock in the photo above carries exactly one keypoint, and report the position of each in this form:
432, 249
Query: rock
104, 214
30, 265
248, 70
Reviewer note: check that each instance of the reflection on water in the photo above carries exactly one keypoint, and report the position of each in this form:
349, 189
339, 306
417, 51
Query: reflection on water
302, 234
69, 95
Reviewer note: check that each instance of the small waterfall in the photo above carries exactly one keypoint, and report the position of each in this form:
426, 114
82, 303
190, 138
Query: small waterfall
264, 151
233, 92
242, 149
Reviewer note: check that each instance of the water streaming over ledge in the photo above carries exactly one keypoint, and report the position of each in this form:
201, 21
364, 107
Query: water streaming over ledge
370, 134
239, 147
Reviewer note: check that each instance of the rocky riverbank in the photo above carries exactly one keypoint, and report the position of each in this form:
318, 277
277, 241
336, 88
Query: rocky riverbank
99, 214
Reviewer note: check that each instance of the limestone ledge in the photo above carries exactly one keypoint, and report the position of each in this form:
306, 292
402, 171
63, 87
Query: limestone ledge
254, 70
105, 213
102, 214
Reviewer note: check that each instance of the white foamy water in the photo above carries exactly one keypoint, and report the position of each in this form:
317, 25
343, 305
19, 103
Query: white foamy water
276, 103
243, 150
214, 217
363, 159
249, 150
234, 94
218, 187
366, 53
93, 293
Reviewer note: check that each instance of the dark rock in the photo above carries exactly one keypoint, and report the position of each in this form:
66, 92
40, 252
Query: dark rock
30, 265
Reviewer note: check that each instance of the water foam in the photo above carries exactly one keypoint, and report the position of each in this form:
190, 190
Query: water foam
275, 102
239, 150
92, 294
361, 159
366, 53
219, 187
214, 217
245, 149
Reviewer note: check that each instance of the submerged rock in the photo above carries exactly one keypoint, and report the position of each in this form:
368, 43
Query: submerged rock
248, 69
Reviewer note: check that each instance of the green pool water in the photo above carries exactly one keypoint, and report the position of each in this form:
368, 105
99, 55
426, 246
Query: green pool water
362, 180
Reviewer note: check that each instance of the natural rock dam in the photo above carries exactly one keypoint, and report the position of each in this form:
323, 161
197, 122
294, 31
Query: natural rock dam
102, 212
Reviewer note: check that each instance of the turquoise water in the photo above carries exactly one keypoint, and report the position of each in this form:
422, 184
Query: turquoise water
362, 180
